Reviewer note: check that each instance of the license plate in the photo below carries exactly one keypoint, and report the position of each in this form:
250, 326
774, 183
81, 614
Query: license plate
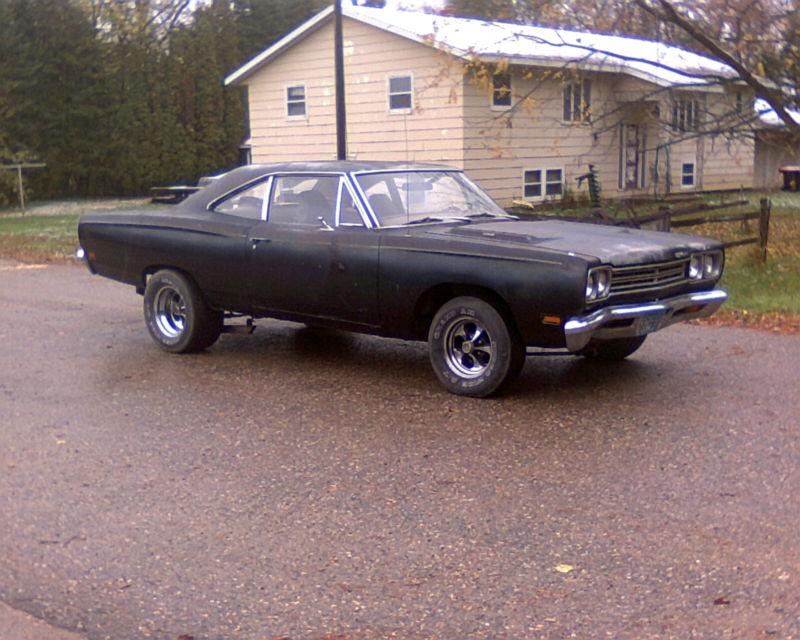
647, 324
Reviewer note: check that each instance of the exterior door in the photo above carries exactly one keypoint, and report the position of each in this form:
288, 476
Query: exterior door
631, 157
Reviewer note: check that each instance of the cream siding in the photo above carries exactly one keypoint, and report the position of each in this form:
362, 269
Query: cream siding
452, 121
432, 132
774, 149
498, 151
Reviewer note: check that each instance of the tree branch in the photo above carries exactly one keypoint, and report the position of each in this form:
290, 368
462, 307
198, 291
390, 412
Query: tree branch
773, 97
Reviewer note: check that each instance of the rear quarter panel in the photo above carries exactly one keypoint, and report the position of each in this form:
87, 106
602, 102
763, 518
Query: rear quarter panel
124, 246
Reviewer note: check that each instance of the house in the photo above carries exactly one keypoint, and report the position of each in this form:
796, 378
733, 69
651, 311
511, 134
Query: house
775, 147
523, 109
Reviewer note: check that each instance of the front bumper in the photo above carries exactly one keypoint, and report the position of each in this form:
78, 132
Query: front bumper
626, 321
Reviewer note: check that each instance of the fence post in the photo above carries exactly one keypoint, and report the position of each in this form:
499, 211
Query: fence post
665, 222
21, 189
745, 223
763, 227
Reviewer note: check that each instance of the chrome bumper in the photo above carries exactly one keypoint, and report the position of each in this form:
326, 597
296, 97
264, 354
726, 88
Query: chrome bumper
626, 321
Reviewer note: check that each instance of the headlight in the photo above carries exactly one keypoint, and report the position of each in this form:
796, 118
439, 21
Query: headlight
705, 266
598, 283
696, 266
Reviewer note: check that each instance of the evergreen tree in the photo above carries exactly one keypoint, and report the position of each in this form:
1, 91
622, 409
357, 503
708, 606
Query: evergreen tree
51, 100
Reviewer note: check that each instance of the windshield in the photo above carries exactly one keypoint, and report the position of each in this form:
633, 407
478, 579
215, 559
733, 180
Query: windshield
408, 197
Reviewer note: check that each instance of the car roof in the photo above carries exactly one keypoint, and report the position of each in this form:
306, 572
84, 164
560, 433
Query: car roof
235, 178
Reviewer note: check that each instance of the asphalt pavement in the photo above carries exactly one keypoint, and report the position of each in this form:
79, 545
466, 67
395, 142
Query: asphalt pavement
318, 485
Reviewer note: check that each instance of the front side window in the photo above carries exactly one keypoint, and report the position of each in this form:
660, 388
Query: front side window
248, 203
577, 100
296, 101
501, 90
406, 197
400, 93
543, 183
303, 200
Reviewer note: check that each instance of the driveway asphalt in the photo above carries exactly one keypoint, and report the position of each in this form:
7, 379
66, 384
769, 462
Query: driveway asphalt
317, 485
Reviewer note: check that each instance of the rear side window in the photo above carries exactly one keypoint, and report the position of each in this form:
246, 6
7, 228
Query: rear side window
249, 203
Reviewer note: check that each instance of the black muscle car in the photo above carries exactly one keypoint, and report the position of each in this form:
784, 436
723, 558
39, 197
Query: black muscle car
408, 251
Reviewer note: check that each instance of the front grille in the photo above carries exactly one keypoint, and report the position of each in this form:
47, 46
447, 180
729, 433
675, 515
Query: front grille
649, 277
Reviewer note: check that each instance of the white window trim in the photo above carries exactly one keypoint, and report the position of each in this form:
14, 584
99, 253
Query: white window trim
543, 197
693, 162
389, 94
584, 121
503, 107
286, 88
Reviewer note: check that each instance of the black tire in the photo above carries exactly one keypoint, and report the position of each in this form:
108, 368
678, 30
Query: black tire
176, 315
612, 350
493, 357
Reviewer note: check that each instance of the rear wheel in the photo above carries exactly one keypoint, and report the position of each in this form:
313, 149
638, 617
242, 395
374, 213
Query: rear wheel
176, 315
616, 349
473, 349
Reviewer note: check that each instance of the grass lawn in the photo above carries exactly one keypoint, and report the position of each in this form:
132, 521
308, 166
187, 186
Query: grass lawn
754, 286
49, 231
38, 237
758, 291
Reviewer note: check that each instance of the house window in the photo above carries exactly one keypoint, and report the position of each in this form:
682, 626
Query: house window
501, 90
739, 102
296, 101
543, 183
685, 115
687, 174
577, 100
400, 93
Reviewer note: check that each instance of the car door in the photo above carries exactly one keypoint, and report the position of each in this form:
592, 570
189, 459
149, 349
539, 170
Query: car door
351, 293
305, 261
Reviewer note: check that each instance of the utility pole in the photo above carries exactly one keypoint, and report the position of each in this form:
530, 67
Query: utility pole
341, 113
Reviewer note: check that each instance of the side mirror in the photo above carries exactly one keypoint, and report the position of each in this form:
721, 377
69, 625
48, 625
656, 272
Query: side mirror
325, 226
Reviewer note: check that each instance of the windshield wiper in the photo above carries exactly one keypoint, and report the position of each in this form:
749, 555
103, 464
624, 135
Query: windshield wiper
427, 219
488, 214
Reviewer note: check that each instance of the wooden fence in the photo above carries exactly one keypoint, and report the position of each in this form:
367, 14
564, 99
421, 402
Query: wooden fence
668, 218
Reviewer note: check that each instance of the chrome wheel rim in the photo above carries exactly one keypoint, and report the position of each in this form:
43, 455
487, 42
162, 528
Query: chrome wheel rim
169, 312
468, 347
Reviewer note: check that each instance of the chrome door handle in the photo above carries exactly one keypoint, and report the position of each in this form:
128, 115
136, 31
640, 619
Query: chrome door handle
254, 242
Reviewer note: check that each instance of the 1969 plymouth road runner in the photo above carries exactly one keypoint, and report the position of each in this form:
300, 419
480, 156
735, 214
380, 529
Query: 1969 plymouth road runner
407, 251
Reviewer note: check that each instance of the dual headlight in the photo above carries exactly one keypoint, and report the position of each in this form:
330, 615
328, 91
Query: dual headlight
705, 266
598, 283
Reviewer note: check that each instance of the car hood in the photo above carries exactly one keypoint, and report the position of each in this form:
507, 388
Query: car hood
610, 245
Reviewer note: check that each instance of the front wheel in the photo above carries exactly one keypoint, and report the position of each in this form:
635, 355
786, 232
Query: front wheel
473, 349
176, 315
615, 349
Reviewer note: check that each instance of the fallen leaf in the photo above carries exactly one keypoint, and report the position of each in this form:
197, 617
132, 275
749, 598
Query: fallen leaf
722, 601
564, 568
